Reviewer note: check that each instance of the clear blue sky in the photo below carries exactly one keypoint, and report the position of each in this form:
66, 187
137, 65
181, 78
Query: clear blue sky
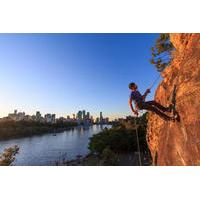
64, 73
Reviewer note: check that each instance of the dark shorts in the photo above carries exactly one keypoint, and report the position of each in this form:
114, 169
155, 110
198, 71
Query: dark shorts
141, 105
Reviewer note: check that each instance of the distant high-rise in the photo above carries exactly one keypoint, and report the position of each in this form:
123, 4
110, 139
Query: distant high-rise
92, 119
74, 116
47, 118
38, 116
88, 115
97, 120
79, 115
107, 120
17, 116
84, 114
53, 118
101, 117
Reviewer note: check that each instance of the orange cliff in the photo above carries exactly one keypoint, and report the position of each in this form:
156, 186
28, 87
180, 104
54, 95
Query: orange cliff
178, 143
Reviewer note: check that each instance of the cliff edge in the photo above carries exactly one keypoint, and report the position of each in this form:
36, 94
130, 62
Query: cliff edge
178, 143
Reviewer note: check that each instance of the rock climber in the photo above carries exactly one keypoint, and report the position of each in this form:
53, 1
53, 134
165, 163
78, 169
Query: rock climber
141, 104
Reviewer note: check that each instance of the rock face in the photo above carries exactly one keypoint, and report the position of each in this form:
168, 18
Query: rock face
178, 143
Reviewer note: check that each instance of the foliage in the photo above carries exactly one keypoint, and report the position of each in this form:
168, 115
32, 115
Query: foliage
110, 144
108, 158
17, 124
8, 156
162, 52
15, 129
117, 140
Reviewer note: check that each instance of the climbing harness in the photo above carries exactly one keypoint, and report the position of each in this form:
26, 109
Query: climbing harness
138, 143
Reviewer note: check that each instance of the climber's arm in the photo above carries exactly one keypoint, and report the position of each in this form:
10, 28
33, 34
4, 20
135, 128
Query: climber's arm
130, 102
146, 93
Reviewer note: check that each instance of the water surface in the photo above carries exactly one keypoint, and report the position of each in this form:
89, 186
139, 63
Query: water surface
48, 148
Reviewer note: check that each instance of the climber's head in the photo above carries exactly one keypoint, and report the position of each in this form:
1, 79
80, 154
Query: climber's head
133, 86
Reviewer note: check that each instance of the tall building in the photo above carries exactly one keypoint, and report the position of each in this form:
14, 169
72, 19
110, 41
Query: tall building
38, 116
53, 118
79, 115
84, 114
97, 120
101, 117
92, 119
106, 120
48, 118
88, 115
20, 116
74, 116
17, 116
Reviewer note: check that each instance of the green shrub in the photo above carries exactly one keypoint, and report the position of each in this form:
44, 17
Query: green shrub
162, 52
118, 140
108, 158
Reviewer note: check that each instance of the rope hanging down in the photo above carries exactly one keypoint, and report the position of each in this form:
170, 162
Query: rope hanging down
138, 143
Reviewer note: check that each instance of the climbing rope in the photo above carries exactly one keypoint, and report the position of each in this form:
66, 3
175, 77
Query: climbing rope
154, 82
138, 143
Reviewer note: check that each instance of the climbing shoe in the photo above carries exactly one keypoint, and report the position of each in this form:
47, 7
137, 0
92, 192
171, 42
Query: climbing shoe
170, 108
177, 117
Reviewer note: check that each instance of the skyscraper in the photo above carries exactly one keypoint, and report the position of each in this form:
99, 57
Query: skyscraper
101, 117
79, 115
84, 114
88, 115
38, 116
53, 118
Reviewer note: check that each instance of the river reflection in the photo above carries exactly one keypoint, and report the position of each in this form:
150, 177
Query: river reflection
46, 149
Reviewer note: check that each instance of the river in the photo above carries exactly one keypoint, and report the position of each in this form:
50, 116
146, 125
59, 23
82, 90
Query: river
46, 149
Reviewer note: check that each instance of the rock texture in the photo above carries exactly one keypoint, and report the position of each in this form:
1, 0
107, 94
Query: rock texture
178, 143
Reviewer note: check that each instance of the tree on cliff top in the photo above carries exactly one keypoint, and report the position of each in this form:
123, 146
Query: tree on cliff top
161, 52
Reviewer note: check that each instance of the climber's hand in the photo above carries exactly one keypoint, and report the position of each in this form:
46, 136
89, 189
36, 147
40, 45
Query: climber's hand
148, 91
136, 113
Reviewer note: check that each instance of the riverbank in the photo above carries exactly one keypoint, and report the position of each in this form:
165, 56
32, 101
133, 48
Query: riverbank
12, 130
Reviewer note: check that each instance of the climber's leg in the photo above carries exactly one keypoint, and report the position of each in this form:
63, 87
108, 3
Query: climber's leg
159, 106
150, 107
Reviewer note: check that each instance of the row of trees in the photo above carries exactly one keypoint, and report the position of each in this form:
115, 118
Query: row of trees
12, 129
17, 124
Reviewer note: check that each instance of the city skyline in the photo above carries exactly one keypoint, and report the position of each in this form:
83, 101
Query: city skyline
80, 115
67, 72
